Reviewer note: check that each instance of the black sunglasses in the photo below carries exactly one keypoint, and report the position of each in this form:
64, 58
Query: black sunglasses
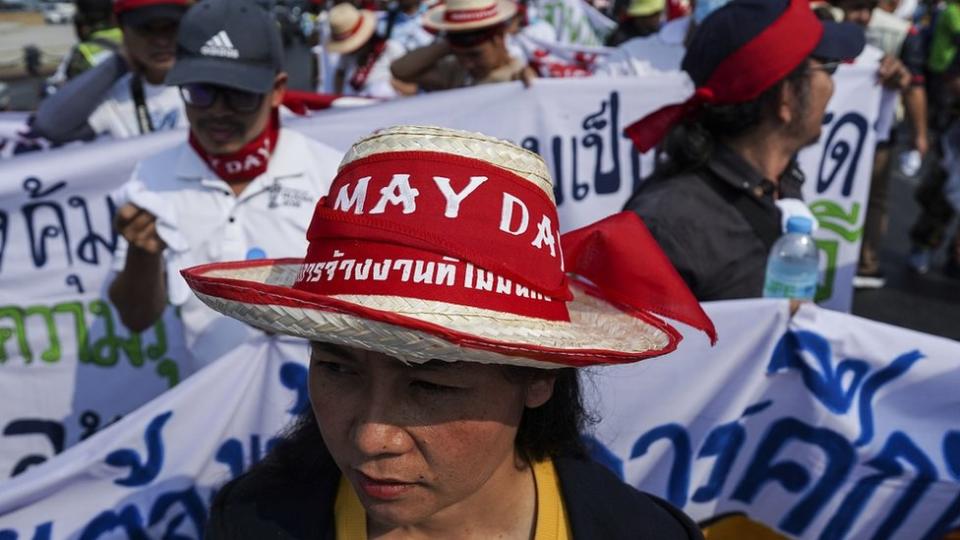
203, 96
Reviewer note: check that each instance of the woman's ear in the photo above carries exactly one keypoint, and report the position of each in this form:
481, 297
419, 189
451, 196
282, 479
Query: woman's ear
539, 391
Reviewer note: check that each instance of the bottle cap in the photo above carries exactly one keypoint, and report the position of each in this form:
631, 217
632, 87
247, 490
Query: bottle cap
799, 224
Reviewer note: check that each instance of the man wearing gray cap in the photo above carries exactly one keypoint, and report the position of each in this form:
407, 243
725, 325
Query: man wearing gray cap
239, 186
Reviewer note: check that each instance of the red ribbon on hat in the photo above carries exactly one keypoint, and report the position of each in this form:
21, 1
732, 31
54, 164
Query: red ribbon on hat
457, 230
744, 75
470, 15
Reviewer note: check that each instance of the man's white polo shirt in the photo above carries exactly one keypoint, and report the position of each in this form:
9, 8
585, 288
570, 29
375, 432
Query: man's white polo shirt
660, 53
202, 221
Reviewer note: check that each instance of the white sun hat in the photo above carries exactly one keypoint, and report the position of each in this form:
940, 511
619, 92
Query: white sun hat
443, 244
468, 15
350, 28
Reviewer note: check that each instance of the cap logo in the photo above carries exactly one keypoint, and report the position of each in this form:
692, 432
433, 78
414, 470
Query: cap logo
220, 45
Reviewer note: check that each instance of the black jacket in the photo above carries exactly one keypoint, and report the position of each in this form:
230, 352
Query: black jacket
599, 506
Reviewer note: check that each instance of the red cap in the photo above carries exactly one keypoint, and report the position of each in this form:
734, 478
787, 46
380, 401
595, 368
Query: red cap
123, 6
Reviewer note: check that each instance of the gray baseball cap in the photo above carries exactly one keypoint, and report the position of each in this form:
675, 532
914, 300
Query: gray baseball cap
232, 43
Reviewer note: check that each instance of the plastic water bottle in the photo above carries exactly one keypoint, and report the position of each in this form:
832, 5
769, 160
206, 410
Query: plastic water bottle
794, 263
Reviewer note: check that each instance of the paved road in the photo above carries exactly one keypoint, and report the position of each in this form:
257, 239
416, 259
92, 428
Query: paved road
929, 303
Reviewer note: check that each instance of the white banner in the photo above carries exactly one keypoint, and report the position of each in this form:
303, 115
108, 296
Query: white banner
68, 367
826, 426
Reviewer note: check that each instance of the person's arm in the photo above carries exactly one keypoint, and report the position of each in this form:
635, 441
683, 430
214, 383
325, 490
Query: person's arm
62, 117
139, 291
417, 65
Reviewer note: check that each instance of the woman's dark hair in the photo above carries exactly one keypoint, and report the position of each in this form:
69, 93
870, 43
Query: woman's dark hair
690, 144
551, 430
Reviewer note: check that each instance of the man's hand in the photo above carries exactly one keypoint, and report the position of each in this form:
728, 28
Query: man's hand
139, 228
526, 76
921, 144
893, 74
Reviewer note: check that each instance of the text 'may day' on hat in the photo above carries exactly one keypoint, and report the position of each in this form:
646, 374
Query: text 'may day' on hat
232, 43
468, 15
643, 8
350, 27
442, 244
139, 12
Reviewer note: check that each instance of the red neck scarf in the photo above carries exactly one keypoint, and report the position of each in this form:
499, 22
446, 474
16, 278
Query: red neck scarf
359, 79
742, 76
248, 162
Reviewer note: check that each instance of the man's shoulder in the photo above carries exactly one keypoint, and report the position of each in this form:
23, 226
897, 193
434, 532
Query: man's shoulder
308, 151
601, 505
159, 171
674, 197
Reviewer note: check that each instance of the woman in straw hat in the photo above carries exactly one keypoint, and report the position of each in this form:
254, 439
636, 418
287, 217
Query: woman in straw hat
472, 50
448, 318
365, 58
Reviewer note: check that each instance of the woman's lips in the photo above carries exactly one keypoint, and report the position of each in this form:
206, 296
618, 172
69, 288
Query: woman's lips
383, 489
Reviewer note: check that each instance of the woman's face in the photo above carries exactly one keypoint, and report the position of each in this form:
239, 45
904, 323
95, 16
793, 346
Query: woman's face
418, 442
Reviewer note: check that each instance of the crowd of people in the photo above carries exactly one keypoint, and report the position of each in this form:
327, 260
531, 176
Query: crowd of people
383, 456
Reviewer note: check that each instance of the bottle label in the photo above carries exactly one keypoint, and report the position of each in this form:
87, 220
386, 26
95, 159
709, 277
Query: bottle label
779, 289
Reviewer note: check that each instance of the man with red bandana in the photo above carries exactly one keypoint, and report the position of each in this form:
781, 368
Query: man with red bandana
762, 70
239, 186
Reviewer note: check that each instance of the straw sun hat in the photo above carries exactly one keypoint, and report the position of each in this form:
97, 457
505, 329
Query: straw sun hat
468, 15
442, 244
350, 28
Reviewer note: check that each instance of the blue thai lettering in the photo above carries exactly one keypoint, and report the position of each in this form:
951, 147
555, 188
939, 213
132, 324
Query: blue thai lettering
53, 431
294, 377
679, 479
129, 519
949, 517
608, 181
41, 532
792, 476
142, 472
724, 442
231, 453
826, 383
38, 233
898, 447
895, 370
88, 248
4, 228
194, 510
843, 152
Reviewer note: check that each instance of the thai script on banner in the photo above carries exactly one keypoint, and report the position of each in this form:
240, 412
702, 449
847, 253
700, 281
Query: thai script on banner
824, 426
56, 240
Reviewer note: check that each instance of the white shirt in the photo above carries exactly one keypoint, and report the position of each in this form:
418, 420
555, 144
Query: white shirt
408, 30
202, 221
117, 114
660, 53
377, 84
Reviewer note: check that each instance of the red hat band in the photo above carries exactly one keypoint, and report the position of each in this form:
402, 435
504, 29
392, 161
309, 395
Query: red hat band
438, 227
470, 15
744, 75
122, 6
350, 33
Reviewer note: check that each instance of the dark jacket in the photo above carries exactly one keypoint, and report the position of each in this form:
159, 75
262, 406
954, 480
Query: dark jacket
260, 505
716, 223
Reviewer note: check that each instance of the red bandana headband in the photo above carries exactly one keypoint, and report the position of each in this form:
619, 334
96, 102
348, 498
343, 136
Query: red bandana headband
744, 75
447, 228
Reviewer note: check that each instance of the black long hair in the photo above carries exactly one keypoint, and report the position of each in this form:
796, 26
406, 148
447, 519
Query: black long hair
690, 144
551, 430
